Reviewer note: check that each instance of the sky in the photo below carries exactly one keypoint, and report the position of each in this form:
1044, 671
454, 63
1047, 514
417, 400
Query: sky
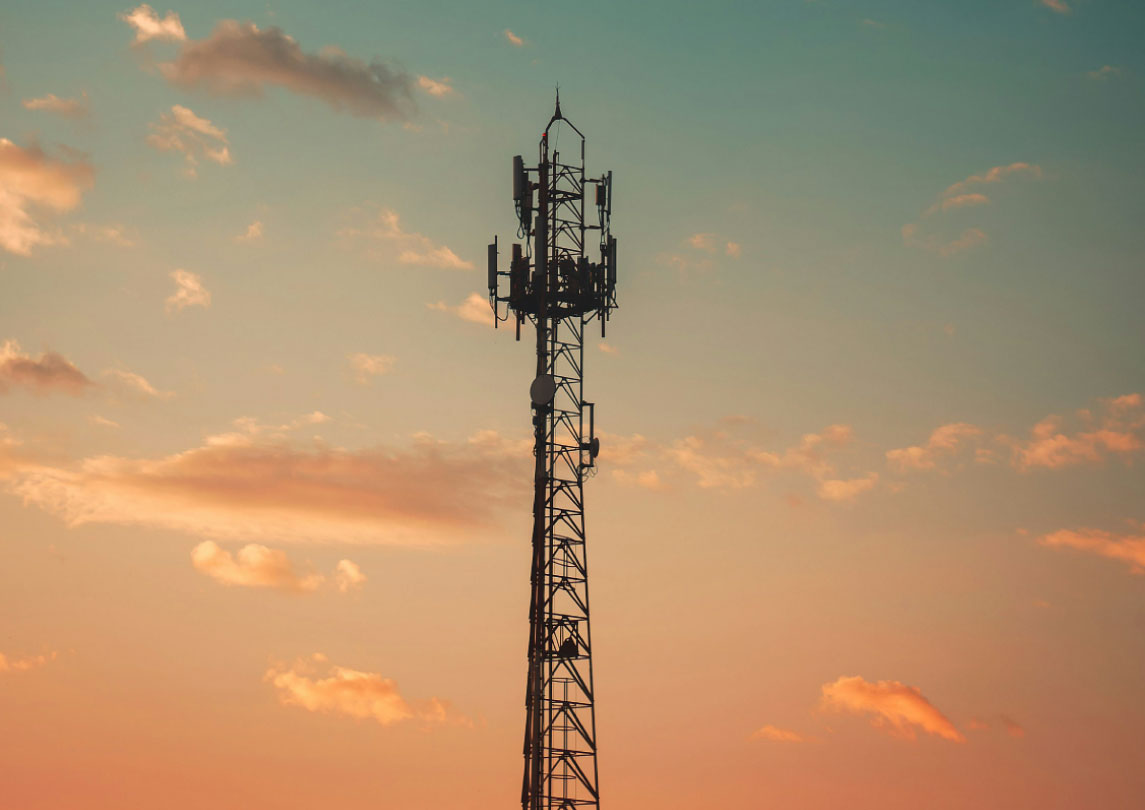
867, 525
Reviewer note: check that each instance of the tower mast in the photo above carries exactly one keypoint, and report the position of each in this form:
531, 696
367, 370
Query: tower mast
553, 284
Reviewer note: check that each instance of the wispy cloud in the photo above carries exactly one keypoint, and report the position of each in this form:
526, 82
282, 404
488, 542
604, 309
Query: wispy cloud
778, 735
368, 366
956, 196
180, 130
436, 87
137, 384
67, 107
475, 309
256, 485
253, 233
1056, 5
1104, 72
30, 179
149, 25
894, 706
1127, 548
411, 247
348, 576
513, 38
365, 695
189, 292
240, 59
47, 373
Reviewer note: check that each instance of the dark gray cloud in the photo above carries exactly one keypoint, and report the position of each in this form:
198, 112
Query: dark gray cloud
240, 59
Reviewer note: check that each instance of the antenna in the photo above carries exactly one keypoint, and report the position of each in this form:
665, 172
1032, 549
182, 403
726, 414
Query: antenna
555, 285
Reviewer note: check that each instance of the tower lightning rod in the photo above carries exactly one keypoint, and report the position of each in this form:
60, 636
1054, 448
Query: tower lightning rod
552, 283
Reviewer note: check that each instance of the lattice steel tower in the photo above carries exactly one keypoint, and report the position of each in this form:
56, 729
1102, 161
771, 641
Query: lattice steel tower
553, 285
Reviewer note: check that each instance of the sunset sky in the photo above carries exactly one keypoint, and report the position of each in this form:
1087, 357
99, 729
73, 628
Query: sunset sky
868, 529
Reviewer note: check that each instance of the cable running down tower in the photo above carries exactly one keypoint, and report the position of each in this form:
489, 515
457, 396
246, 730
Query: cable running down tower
552, 284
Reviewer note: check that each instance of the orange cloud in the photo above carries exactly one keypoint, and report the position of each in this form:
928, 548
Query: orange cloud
364, 695
189, 292
993, 175
30, 179
348, 576
513, 38
779, 735
944, 440
50, 372
1129, 549
959, 196
240, 59
1057, 5
148, 25
255, 485
367, 366
67, 107
436, 87
25, 664
475, 309
896, 707
137, 384
254, 566
180, 130
847, 489
1053, 447
412, 248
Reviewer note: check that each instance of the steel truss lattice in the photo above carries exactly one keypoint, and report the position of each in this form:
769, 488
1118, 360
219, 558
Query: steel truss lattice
553, 285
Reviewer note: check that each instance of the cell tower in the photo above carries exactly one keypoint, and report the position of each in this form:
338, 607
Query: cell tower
552, 284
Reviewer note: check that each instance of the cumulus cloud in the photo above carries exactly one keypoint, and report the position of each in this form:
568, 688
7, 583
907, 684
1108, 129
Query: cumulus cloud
240, 59
1051, 445
254, 566
255, 485
411, 247
475, 309
1129, 549
24, 664
945, 440
49, 372
149, 25
189, 292
67, 107
895, 707
180, 130
778, 735
365, 695
513, 38
30, 179
367, 366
